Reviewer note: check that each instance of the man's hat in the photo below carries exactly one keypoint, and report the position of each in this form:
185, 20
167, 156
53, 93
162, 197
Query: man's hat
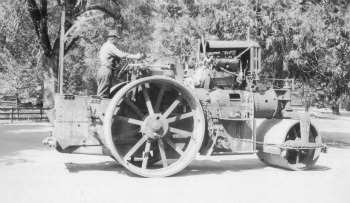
113, 33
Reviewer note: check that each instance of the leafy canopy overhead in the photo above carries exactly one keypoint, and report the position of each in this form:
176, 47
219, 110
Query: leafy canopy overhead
303, 39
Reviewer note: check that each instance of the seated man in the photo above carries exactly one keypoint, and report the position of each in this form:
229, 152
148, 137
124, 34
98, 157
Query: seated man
110, 56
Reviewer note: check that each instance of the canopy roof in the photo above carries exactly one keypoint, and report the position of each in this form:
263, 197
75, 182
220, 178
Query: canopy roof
215, 46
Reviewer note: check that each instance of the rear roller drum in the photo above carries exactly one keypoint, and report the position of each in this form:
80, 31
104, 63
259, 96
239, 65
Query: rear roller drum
154, 126
278, 131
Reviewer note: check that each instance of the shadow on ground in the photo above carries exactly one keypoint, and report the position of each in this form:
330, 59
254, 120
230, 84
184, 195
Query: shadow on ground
10, 162
102, 166
320, 168
338, 144
336, 139
16, 138
210, 167
197, 167
24, 156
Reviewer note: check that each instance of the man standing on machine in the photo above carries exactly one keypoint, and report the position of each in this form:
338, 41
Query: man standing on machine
110, 56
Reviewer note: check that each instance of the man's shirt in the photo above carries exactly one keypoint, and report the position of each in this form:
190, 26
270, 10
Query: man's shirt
110, 55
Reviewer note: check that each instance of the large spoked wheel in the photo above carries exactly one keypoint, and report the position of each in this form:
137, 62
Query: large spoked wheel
154, 126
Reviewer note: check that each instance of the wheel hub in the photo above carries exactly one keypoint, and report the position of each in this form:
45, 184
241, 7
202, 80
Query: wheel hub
155, 127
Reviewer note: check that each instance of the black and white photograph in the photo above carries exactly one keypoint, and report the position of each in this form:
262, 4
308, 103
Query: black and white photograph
161, 101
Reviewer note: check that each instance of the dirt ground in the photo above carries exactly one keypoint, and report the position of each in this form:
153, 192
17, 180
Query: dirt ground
40, 174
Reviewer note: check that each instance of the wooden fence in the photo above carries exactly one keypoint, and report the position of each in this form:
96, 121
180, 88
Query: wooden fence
11, 114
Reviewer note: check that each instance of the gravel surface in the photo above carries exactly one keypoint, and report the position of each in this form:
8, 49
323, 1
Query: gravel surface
40, 174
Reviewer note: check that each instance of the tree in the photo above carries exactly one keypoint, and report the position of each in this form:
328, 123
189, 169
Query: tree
48, 34
322, 51
20, 69
306, 40
83, 62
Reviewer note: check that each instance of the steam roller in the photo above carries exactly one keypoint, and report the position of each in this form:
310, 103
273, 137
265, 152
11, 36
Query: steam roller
164, 115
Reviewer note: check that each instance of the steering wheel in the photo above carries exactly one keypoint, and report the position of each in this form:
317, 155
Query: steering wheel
123, 70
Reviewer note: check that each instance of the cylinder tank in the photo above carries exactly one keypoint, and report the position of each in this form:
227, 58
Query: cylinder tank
265, 103
277, 131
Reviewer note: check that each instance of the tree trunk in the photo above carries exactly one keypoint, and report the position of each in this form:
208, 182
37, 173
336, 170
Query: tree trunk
335, 109
307, 107
50, 67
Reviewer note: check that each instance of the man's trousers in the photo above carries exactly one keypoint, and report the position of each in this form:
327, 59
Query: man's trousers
104, 81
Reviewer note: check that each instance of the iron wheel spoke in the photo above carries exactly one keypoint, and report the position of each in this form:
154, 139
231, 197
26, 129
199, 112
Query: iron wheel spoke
135, 147
173, 145
295, 133
162, 153
297, 158
182, 133
159, 98
134, 107
148, 101
130, 133
173, 106
180, 117
146, 155
128, 120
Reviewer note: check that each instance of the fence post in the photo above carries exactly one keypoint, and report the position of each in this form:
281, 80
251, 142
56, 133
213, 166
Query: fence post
41, 114
17, 114
11, 114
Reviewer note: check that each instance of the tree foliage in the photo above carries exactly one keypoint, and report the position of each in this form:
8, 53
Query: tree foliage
20, 55
307, 40
82, 63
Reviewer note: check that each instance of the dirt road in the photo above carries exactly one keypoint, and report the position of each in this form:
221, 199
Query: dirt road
39, 174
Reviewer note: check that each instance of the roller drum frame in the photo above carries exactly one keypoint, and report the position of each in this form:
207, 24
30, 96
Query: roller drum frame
277, 131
